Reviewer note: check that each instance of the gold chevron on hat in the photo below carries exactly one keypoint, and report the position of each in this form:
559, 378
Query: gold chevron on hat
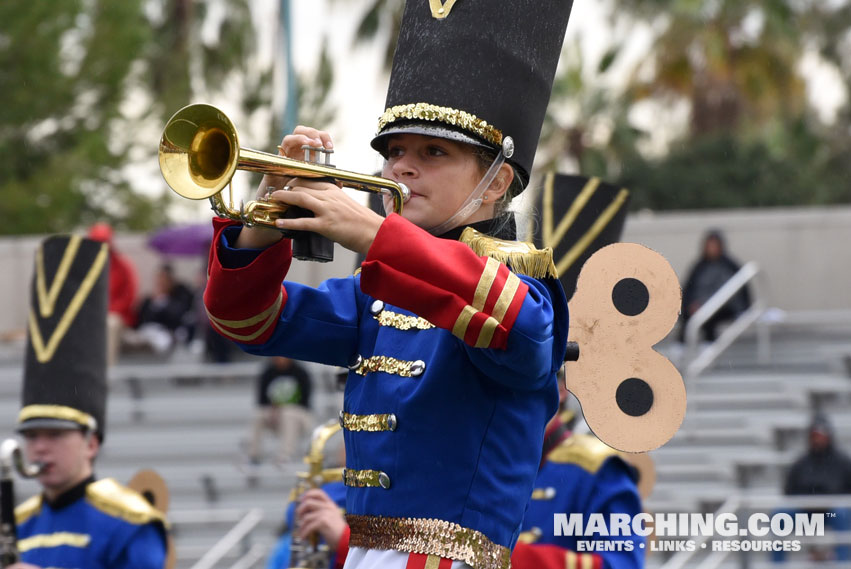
47, 298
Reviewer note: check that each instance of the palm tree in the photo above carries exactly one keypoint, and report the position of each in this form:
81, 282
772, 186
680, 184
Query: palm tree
734, 61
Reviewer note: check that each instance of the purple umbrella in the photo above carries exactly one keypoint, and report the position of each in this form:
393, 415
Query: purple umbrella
183, 239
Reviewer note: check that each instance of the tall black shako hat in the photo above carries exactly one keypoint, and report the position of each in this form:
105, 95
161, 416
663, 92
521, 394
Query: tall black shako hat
65, 368
475, 71
579, 215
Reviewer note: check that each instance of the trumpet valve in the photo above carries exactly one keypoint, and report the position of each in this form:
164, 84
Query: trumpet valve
313, 153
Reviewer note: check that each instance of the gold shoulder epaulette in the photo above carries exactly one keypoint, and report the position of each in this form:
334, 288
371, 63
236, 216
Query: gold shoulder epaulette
521, 257
28, 509
585, 451
112, 498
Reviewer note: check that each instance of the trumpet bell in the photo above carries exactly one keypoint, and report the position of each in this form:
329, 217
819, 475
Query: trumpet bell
199, 151
199, 154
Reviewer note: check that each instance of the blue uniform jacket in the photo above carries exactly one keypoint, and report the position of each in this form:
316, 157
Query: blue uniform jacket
583, 475
107, 527
437, 431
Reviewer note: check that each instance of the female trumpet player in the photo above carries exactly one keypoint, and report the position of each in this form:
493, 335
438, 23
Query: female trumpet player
453, 332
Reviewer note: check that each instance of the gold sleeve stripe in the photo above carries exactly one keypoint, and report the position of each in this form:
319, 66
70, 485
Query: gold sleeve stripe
486, 333
490, 325
551, 238
432, 562
506, 296
570, 560
485, 283
249, 321
270, 314
587, 561
57, 412
599, 224
56, 539
463, 321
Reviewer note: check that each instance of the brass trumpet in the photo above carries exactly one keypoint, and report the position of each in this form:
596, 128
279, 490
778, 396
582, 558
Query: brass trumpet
199, 154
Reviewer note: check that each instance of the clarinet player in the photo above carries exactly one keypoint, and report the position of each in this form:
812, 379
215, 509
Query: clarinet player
76, 521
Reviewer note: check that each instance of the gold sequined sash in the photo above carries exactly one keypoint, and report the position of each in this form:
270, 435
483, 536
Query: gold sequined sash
427, 536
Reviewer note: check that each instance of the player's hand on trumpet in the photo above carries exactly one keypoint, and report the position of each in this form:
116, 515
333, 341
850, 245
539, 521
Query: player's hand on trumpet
337, 216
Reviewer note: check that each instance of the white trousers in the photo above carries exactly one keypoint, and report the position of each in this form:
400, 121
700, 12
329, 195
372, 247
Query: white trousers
359, 558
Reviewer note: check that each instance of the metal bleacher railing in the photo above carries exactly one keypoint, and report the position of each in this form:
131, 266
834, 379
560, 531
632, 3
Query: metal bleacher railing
760, 316
697, 361
237, 538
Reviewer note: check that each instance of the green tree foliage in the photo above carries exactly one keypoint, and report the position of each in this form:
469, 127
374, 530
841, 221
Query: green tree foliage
725, 171
81, 80
752, 140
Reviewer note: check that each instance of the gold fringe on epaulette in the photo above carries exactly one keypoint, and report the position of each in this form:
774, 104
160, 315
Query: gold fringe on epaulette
521, 257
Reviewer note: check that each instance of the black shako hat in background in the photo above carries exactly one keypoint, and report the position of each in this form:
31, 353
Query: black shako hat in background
579, 215
475, 71
65, 367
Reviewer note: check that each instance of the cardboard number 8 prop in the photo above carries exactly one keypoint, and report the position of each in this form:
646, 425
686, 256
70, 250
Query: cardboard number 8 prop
627, 299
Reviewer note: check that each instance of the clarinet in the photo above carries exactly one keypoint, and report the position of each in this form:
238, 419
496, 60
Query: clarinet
11, 459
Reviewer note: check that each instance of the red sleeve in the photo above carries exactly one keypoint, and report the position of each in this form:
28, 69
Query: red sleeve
443, 281
342, 549
244, 303
546, 556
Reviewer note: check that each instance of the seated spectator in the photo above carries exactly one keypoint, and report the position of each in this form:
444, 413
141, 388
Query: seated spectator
165, 316
711, 271
283, 407
822, 470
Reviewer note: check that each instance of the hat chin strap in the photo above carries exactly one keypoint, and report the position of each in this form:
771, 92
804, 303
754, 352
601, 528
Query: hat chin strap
473, 201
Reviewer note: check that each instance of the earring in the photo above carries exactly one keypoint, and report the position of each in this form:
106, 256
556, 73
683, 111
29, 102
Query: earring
484, 198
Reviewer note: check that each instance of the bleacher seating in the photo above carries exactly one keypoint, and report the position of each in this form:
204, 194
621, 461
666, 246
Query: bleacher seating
746, 422
188, 421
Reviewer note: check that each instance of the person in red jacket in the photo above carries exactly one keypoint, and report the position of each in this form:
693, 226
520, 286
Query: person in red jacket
123, 289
